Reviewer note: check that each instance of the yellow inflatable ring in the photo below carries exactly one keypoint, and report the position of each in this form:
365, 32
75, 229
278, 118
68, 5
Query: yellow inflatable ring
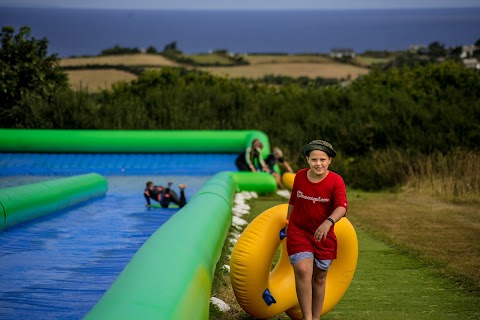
256, 285
287, 179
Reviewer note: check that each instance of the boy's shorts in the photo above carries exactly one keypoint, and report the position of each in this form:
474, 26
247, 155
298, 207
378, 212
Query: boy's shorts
321, 264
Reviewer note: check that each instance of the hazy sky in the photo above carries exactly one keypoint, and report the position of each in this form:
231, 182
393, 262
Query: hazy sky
243, 4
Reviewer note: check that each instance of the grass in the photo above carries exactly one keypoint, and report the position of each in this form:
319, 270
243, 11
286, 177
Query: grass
418, 259
210, 59
435, 176
369, 61
392, 285
444, 234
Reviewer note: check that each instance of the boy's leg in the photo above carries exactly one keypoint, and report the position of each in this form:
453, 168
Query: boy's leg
303, 270
166, 197
318, 291
183, 198
318, 286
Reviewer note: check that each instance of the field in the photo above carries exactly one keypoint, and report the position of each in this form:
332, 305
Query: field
294, 70
96, 80
127, 60
295, 66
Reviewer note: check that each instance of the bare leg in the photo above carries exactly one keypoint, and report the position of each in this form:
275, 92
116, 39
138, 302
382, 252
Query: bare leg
318, 287
303, 282
278, 178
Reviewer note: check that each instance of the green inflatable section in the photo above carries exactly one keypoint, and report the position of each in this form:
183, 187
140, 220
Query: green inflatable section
47, 197
171, 275
261, 182
130, 141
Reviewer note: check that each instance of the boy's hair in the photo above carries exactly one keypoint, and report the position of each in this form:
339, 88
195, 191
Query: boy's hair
149, 184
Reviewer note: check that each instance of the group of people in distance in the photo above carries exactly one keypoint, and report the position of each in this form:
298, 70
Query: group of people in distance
251, 160
248, 160
318, 200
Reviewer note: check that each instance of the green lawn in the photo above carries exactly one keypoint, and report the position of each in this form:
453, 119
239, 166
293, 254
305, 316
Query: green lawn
391, 285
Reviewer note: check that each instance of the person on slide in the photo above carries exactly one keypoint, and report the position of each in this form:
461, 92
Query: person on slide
251, 157
165, 195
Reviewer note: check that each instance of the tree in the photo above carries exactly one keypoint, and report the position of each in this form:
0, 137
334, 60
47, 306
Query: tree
476, 53
25, 69
118, 50
172, 46
436, 50
152, 50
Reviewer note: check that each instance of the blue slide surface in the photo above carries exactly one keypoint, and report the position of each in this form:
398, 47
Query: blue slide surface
60, 265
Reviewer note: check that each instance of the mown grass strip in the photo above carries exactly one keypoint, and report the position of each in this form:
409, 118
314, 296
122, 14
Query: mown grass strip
392, 285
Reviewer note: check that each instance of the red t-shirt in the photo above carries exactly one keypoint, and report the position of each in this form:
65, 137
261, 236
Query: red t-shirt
313, 203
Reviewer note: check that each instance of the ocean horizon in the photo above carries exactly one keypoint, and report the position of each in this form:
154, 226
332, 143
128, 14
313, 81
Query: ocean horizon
83, 32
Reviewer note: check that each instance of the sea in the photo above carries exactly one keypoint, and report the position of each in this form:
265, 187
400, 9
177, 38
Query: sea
83, 32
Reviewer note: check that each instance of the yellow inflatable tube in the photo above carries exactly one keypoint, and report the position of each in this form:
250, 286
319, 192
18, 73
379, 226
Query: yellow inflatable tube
287, 179
263, 293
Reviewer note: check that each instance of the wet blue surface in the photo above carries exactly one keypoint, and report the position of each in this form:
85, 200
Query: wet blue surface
115, 164
59, 266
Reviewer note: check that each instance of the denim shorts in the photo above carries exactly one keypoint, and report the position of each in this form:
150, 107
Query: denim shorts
321, 264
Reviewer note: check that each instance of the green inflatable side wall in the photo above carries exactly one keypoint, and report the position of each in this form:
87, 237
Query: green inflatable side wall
130, 141
47, 197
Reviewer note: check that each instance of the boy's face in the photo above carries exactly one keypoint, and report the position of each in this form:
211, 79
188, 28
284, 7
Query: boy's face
319, 162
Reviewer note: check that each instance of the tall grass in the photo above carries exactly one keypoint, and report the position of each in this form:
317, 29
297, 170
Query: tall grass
454, 176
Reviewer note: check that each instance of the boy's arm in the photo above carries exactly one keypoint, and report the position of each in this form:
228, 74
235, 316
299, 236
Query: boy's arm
247, 159
147, 197
287, 166
262, 162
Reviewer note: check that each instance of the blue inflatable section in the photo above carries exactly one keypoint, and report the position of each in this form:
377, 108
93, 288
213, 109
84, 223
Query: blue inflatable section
60, 265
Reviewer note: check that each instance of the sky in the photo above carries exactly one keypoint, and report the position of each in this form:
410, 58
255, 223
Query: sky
242, 4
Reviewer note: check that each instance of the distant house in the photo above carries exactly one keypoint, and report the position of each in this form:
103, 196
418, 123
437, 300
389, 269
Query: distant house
468, 51
471, 63
418, 48
342, 53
